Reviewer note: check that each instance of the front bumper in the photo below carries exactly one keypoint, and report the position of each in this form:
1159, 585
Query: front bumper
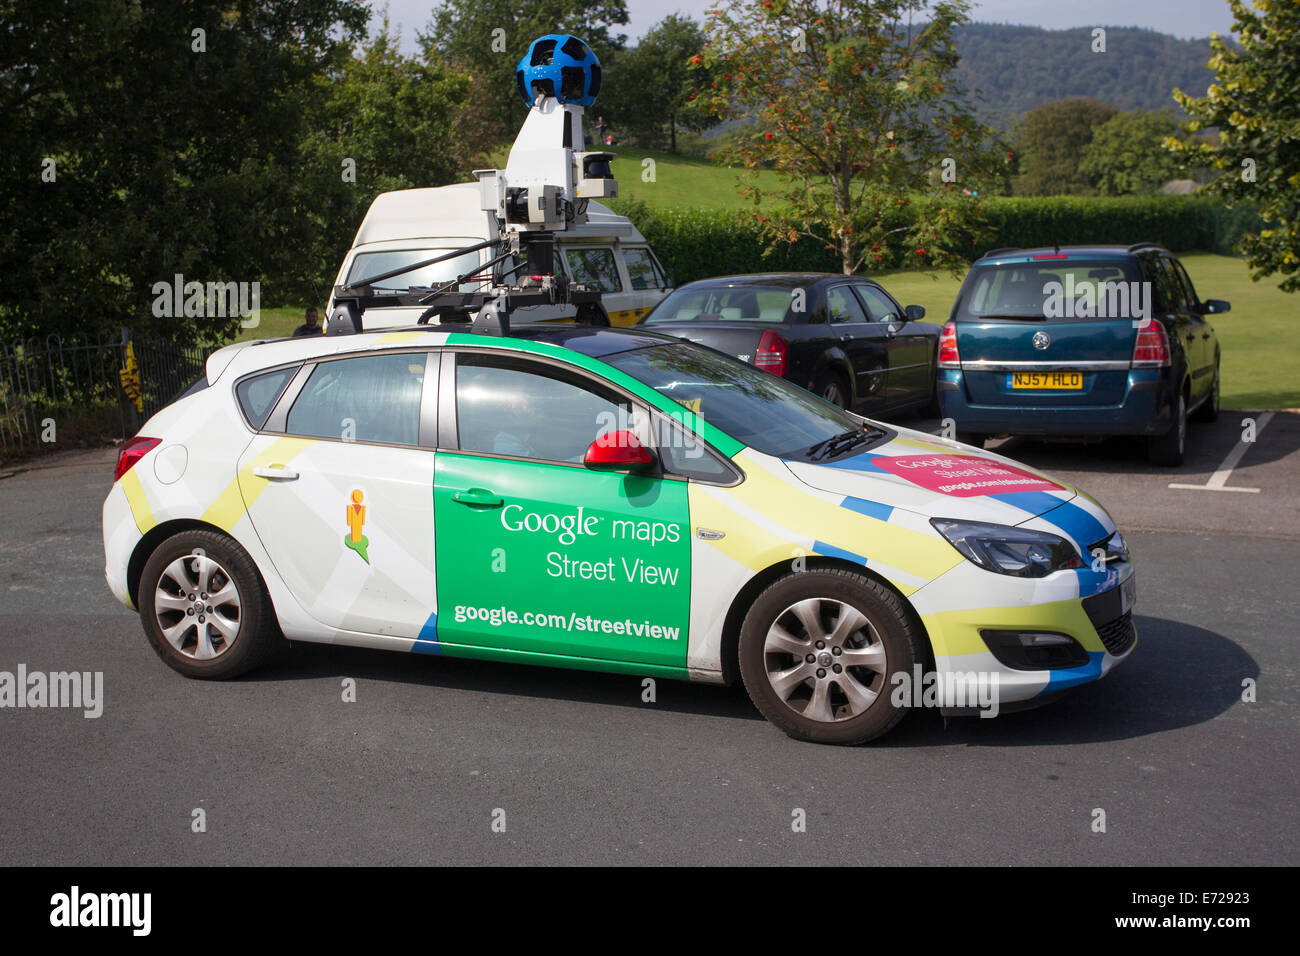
1084, 605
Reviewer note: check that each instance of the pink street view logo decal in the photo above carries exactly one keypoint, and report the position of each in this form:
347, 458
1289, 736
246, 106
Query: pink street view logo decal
963, 476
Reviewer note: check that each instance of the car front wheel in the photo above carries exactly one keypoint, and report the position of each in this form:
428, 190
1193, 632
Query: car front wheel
204, 607
816, 653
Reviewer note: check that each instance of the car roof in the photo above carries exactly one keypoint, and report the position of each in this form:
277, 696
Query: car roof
585, 340
1100, 250
780, 280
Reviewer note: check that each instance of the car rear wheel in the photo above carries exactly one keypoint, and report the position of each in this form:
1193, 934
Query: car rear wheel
1209, 410
1169, 448
204, 607
816, 652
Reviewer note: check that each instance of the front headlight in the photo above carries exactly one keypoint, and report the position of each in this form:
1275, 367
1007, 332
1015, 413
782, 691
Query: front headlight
1019, 552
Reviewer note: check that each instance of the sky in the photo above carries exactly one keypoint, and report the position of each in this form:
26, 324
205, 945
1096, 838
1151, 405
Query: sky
1182, 18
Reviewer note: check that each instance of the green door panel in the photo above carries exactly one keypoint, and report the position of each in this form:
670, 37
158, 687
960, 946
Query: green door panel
555, 559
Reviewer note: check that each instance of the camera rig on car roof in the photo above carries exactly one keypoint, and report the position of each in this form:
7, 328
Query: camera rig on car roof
544, 189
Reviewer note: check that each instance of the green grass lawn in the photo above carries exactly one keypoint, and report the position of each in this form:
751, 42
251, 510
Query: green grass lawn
680, 181
1259, 371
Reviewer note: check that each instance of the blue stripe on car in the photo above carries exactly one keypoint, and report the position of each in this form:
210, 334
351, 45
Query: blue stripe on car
427, 642
872, 509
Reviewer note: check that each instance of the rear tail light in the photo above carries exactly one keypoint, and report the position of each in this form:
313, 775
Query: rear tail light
1151, 347
132, 451
771, 353
949, 357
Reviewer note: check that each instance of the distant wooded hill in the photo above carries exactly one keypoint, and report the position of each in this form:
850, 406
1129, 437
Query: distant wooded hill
1019, 67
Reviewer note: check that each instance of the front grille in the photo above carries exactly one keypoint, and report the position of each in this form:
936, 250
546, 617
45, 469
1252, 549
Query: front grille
1118, 635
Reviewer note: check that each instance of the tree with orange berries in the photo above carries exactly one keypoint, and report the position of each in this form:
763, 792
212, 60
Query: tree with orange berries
852, 103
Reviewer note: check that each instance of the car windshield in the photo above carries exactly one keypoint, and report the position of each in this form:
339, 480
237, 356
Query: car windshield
752, 406
1052, 289
440, 273
720, 303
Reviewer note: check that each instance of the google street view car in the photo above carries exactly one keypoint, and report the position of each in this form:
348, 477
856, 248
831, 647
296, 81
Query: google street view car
600, 498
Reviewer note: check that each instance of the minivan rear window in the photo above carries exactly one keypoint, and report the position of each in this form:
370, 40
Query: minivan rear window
1054, 290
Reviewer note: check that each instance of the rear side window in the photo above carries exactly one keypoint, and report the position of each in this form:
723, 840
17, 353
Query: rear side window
1052, 290
841, 307
374, 398
642, 270
594, 268
258, 395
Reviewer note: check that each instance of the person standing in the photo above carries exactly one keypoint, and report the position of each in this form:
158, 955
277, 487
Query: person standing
311, 326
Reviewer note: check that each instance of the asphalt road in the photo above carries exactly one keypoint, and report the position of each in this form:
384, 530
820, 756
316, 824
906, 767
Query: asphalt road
413, 771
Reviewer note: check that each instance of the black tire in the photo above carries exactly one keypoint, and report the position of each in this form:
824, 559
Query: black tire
1209, 409
255, 637
833, 388
890, 627
975, 439
1168, 449
592, 315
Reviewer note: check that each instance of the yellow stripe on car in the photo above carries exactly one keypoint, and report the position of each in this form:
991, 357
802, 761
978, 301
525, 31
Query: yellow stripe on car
233, 502
136, 498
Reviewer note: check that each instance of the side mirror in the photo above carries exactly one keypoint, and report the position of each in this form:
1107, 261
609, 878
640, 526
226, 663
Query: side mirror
618, 451
1215, 306
914, 313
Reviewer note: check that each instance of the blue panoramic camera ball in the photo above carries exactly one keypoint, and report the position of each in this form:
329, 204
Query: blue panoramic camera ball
561, 66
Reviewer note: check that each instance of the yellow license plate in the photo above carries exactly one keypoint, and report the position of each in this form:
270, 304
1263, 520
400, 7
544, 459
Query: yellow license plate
1060, 381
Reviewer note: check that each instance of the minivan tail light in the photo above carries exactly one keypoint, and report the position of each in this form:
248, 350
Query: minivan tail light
771, 353
133, 449
1151, 347
949, 357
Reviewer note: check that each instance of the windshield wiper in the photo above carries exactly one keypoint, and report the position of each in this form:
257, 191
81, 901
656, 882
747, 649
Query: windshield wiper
841, 442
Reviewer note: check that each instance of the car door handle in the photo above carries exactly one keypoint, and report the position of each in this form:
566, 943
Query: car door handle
276, 473
479, 497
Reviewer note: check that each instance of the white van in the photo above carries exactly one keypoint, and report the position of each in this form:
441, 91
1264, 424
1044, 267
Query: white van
606, 253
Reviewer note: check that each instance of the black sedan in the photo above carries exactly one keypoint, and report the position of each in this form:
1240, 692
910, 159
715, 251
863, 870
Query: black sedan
842, 337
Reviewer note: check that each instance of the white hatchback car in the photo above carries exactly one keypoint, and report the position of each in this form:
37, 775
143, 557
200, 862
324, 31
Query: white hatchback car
607, 499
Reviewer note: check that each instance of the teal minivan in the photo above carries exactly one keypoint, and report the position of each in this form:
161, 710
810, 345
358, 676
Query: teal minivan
1080, 340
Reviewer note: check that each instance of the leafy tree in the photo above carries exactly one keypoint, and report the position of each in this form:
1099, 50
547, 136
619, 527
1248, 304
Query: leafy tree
650, 85
850, 101
383, 121
169, 151
487, 37
1127, 154
1051, 140
1253, 103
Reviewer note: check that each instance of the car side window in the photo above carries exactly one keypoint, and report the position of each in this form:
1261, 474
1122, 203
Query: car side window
683, 454
1177, 294
642, 271
258, 395
879, 306
842, 307
594, 268
521, 409
1188, 289
371, 398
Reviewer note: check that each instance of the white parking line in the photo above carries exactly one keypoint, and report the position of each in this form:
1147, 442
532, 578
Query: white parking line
1219, 480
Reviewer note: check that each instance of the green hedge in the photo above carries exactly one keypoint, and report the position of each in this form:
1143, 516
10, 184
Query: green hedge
698, 243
